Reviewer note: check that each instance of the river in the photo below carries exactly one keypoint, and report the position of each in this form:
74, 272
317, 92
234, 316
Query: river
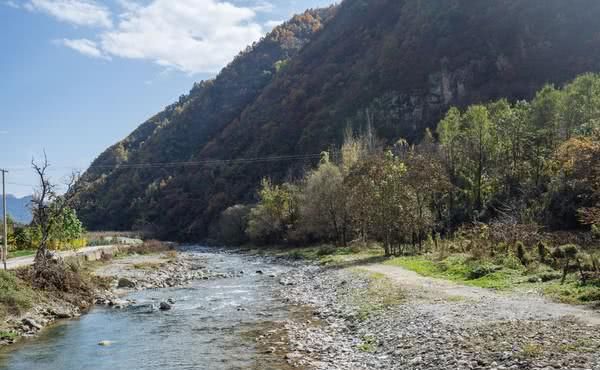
212, 326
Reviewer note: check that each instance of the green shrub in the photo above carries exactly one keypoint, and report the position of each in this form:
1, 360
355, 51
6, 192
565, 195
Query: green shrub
326, 250
484, 269
509, 261
521, 254
543, 252
565, 254
590, 296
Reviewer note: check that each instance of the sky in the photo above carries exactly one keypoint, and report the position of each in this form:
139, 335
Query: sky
79, 75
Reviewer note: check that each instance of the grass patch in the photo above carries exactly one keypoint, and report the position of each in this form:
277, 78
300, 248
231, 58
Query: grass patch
368, 345
147, 266
531, 351
380, 294
324, 254
572, 292
579, 346
15, 295
455, 299
461, 269
499, 275
21, 253
8, 335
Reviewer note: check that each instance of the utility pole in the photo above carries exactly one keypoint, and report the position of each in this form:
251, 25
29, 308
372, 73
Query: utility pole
5, 249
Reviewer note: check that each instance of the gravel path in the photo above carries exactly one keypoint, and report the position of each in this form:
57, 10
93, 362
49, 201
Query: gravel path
494, 306
95, 252
438, 325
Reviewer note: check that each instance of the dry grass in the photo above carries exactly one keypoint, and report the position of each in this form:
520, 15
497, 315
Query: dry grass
150, 247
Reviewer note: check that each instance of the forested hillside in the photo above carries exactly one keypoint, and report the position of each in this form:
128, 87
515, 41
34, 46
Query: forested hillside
397, 64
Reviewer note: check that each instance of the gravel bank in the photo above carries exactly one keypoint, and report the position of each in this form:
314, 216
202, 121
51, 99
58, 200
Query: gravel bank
429, 329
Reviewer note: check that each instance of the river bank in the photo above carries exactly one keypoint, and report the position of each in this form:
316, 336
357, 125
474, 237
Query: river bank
371, 319
223, 318
238, 309
109, 278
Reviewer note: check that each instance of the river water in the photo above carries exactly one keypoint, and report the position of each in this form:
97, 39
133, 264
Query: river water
212, 326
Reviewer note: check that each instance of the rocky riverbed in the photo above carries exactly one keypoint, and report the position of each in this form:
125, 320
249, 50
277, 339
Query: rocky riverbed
131, 273
368, 317
426, 330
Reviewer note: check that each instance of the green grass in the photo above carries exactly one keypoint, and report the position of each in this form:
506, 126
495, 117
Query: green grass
572, 292
324, 254
15, 296
531, 351
461, 269
464, 270
21, 253
368, 344
380, 294
8, 335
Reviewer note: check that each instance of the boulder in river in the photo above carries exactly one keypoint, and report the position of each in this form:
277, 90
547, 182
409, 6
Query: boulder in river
61, 314
125, 283
164, 306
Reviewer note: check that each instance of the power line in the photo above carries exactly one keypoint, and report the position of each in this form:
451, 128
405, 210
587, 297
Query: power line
212, 162
192, 163
18, 184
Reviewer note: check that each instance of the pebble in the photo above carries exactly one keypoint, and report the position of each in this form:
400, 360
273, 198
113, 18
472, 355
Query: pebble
424, 334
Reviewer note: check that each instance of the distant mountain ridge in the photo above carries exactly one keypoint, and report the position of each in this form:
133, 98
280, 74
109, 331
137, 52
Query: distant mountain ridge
402, 63
19, 208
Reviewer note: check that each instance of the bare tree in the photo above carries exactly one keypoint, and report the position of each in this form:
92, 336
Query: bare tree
48, 206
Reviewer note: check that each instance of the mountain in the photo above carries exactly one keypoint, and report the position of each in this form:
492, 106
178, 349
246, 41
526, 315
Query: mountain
19, 209
399, 64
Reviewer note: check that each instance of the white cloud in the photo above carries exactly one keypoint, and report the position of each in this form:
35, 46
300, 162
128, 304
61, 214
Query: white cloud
12, 4
190, 35
84, 46
193, 36
272, 24
263, 6
77, 12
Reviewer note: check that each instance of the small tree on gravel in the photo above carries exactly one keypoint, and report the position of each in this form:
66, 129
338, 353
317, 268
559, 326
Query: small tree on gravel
49, 209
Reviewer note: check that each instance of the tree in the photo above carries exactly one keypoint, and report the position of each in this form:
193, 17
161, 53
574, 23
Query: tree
51, 212
324, 204
10, 230
469, 142
579, 158
233, 223
428, 181
580, 110
380, 201
275, 213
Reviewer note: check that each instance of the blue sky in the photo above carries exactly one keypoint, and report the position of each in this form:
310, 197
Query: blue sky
79, 75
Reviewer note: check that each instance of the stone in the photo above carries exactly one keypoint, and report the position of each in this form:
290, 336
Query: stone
31, 323
259, 272
164, 306
60, 314
126, 283
285, 282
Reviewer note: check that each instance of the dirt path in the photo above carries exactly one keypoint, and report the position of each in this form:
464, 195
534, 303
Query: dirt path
493, 305
91, 253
